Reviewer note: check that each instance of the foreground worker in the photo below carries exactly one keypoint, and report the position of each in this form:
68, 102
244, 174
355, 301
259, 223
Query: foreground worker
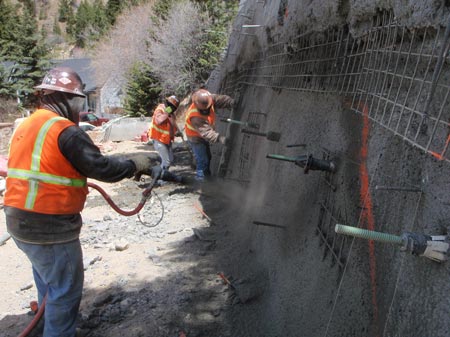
163, 130
200, 127
49, 160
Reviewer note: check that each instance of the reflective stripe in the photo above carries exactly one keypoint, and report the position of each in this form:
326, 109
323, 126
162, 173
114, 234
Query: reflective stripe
158, 129
34, 176
45, 178
191, 127
39, 143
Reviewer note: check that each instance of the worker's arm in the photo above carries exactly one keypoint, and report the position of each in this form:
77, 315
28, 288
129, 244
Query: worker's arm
222, 101
205, 130
86, 157
160, 116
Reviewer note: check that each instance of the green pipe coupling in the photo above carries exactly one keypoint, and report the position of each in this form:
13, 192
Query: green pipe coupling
436, 248
368, 234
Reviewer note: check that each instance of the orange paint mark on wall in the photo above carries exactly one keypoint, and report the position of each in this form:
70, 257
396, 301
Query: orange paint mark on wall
367, 218
439, 156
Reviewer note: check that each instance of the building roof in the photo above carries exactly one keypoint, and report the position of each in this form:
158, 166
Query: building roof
83, 68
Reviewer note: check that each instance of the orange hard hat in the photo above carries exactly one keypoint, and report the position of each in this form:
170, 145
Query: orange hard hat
173, 100
202, 99
63, 79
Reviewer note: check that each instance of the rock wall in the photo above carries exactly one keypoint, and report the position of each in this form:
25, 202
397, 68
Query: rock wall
308, 280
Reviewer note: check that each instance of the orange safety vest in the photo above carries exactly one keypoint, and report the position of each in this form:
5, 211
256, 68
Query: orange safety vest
39, 178
193, 112
164, 132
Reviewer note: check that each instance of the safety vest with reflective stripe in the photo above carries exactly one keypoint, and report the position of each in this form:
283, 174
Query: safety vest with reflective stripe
190, 130
39, 178
162, 132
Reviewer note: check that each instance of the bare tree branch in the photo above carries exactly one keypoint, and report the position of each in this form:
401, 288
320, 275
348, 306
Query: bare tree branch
126, 44
172, 56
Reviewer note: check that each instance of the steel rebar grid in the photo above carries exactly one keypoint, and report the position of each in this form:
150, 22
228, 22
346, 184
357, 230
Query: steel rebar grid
393, 105
387, 71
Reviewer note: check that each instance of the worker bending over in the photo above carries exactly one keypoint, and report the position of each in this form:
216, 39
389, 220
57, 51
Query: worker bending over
163, 129
200, 127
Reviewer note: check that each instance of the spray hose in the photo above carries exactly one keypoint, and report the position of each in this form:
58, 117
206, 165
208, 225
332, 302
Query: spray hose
36, 319
145, 195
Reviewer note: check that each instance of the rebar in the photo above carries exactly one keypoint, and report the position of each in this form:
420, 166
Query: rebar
259, 223
395, 73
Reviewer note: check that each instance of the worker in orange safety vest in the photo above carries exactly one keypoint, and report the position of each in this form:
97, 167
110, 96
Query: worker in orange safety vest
162, 131
49, 161
200, 128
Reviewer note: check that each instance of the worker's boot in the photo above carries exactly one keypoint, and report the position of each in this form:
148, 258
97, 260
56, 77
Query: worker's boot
169, 176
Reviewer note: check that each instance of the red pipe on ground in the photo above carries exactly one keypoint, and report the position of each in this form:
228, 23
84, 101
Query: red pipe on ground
36, 319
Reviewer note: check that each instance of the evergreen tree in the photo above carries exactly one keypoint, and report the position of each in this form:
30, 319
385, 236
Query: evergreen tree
142, 91
91, 23
64, 9
82, 22
100, 19
162, 7
56, 27
113, 8
71, 22
22, 46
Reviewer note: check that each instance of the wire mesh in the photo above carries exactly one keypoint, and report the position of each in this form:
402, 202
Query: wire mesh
399, 77
247, 149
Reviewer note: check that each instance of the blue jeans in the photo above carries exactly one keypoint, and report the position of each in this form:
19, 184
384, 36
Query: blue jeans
202, 155
58, 271
165, 152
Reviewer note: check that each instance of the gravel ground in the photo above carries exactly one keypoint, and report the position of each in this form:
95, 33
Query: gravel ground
152, 275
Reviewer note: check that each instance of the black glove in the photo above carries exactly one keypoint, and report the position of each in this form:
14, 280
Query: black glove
143, 165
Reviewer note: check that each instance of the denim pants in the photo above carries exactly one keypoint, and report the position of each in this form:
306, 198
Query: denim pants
202, 154
165, 152
58, 271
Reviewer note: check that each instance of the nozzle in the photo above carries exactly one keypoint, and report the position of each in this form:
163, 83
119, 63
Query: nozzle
308, 162
233, 121
273, 136
281, 157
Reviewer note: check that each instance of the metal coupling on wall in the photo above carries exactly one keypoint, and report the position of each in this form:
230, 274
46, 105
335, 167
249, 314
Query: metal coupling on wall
307, 162
436, 248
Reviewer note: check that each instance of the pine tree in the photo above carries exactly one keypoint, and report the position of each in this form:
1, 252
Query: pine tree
142, 92
113, 8
82, 22
100, 20
70, 23
91, 23
22, 46
56, 27
64, 8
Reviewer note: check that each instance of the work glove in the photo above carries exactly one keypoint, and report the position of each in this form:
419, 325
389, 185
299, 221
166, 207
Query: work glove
143, 165
169, 109
224, 141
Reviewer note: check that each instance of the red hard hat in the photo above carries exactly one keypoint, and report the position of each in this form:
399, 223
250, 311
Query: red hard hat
63, 79
202, 99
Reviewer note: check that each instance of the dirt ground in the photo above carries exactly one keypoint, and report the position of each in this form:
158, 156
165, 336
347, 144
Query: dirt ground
152, 275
